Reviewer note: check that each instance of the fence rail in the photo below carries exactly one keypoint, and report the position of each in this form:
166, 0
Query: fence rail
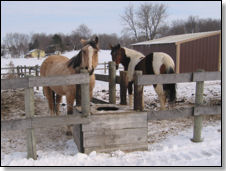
30, 82
43, 122
186, 112
31, 122
177, 78
22, 71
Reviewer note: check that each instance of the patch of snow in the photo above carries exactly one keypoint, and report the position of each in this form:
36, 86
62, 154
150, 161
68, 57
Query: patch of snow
174, 151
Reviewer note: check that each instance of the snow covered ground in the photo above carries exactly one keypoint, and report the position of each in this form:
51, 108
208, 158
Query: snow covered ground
173, 151
169, 141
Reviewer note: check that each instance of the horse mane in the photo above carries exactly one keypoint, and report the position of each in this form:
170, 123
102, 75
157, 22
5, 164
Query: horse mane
75, 61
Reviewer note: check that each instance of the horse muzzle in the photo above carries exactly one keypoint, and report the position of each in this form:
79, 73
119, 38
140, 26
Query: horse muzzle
91, 71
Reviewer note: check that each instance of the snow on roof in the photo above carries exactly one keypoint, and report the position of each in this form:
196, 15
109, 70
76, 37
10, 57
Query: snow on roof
34, 50
178, 38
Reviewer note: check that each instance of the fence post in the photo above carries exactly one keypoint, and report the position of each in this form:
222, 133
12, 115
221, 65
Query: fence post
30, 70
18, 72
29, 110
85, 99
21, 71
13, 72
123, 87
104, 67
25, 69
112, 82
138, 93
197, 127
36, 73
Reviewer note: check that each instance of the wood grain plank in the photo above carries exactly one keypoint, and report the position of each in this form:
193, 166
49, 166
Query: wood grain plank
123, 147
207, 110
164, 78
106, 137
205, 76
170, 114
116, 121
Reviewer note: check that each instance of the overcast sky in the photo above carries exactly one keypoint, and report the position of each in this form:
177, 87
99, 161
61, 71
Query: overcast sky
100, 17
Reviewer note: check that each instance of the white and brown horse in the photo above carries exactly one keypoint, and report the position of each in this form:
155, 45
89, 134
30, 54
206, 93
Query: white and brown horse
55, 65
154, 63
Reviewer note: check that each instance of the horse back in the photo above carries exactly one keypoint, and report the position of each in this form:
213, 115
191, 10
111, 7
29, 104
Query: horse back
55, 65
156, 63
145, 65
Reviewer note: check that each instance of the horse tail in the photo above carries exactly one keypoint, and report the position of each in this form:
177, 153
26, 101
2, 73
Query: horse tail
170, 89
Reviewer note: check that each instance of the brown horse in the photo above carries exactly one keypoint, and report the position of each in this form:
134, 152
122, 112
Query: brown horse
154, 63
54, 65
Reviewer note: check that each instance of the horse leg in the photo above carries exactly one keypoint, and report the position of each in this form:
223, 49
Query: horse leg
130, 90
58, 101
70, 101
160, 92
49, 95
78, 95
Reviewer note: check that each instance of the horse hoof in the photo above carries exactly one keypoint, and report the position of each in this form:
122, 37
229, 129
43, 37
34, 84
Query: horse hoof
69, 133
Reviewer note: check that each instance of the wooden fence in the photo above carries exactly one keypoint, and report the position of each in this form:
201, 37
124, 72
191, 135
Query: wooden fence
30, 123
22, 71
140, 80
197, 111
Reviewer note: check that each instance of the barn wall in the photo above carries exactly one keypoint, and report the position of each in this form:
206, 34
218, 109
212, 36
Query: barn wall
200, 54
170, 49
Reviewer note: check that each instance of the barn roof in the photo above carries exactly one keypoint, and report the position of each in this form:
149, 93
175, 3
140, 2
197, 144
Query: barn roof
181, 38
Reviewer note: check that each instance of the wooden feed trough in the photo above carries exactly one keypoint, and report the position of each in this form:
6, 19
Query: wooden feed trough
112, 127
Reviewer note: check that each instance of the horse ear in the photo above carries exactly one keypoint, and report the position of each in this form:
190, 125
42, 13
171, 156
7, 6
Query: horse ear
118, 45
96, 39
83, 41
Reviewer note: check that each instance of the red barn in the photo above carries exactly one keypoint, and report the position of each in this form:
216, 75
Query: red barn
189, 51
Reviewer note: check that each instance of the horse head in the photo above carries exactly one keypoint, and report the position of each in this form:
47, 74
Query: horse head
117, 54
87, 58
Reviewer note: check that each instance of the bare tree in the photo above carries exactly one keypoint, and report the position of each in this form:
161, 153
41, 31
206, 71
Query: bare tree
40, 41
191, 26
75, 39
159, 14
177, 27
146, 21
106, 39
129, 21
209, 24
163, 31
83, 31
16, 43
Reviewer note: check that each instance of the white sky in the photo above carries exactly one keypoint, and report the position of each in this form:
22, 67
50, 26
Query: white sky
100, 17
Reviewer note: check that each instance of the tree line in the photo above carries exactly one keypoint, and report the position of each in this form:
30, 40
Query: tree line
146, 22
149, 21
18, 44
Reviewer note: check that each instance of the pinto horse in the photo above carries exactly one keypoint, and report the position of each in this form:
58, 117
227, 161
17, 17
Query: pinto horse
154, 63
54, 65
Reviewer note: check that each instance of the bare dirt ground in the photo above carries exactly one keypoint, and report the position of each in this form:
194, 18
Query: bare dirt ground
12, 107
